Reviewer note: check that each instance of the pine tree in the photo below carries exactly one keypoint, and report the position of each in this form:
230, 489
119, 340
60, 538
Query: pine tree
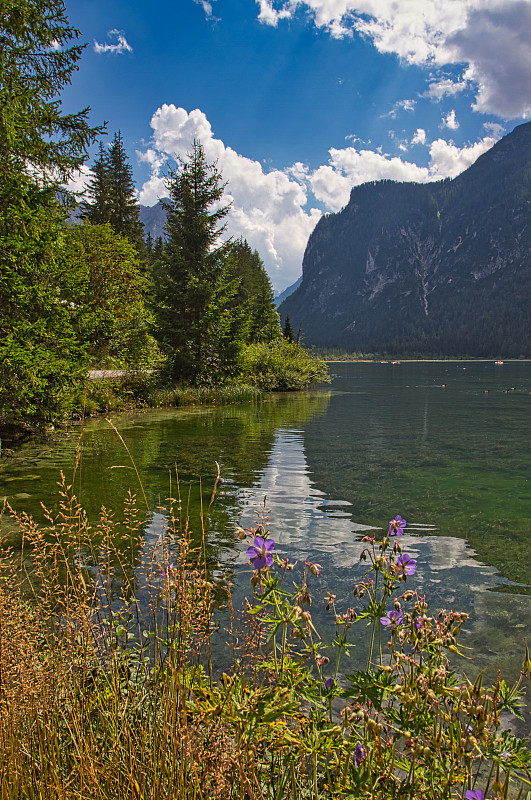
111, 195
40, 354
193, 287
288, 330
95, 207
255, 292
124, 209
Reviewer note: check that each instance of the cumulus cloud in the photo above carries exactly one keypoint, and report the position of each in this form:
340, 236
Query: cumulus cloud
496, 43
348, 167
450, 121
268, 208
491, 38
79, 180
121, 45
273, 209
447, 160
419, 136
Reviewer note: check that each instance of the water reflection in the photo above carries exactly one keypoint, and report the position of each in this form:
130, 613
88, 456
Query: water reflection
308, 525
388, 439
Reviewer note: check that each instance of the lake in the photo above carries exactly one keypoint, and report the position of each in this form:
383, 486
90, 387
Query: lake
446, 445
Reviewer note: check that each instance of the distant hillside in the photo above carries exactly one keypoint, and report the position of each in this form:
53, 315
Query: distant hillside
426, 269
286, 293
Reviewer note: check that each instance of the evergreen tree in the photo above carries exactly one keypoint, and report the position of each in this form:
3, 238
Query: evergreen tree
111, 195
255, 292
288, 330
95, 207
192, 283
124, 208
40, 354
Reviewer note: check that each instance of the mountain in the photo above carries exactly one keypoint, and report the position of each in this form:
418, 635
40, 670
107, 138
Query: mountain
153, 218
426, 269
286, 293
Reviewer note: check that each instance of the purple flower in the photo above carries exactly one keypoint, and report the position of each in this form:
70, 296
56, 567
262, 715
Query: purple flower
260, 552
396, 526
359, 755
167, 572
392, 619
474, 795
407, 564
329, 683
417, 623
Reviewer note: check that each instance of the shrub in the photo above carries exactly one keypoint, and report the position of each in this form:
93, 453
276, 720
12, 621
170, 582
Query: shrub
281, 365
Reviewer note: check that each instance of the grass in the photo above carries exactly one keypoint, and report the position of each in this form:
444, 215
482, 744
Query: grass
145, 391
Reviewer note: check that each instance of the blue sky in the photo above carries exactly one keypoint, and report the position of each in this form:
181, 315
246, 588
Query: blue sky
299, 100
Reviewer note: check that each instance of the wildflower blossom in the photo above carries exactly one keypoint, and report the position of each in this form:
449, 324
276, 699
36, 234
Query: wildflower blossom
407, 564
260, 552
392, 619
167, 572
359, 755
329, 684
396, 526
474, 795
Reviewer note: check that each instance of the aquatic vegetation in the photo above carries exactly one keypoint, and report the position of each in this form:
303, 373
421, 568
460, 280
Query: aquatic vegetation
111, 687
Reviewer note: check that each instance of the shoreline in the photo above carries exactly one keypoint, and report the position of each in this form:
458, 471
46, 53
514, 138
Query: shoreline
398, 361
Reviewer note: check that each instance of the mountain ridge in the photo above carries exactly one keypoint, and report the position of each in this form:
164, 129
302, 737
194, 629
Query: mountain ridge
440, 268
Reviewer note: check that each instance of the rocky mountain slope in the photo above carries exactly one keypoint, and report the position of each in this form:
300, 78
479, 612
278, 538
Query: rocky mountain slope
426, 269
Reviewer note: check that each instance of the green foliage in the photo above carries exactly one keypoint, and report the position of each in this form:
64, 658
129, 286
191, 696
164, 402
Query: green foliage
281, 365
104, 289
40, 356
288, 330
254, 293
111, 193
193, 288
37, 59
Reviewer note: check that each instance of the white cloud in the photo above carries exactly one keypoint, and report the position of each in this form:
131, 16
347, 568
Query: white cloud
207, 8
419, 136
447, 160
267, 207
445, 87
492, 38
331, 184
450, 121
495, 129
270, 209
77, 183
401, 105
269, 16
120, 46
